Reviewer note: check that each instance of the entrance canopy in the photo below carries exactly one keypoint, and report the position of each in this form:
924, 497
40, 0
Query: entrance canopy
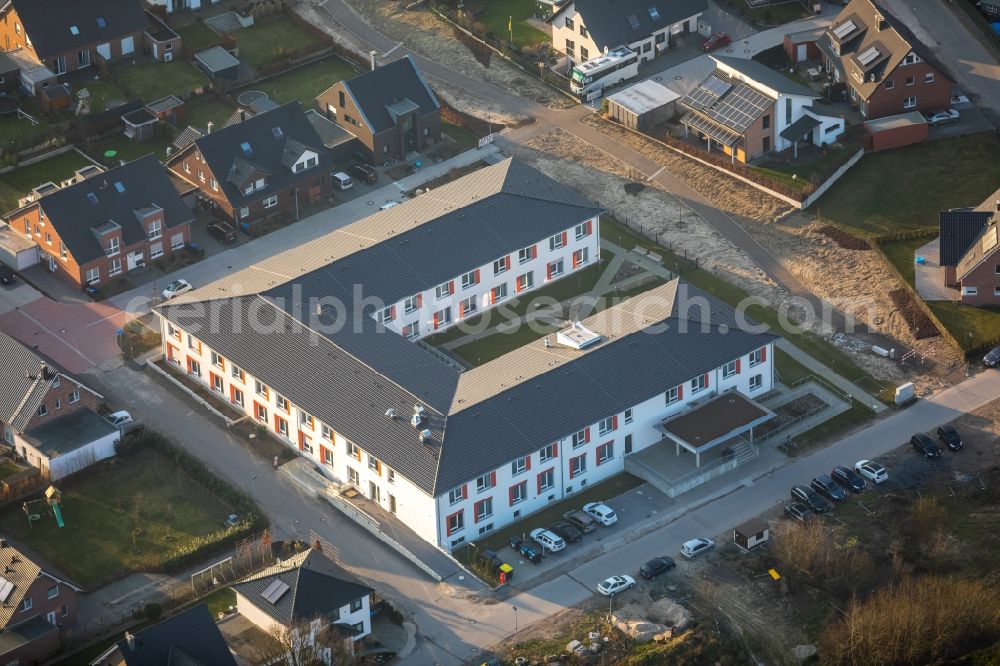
719, 420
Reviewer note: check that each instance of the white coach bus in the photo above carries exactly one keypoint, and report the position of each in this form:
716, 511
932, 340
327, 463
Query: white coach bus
589, 78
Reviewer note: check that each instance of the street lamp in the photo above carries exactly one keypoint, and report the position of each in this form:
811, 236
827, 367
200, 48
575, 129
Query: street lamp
253, 487
515, 625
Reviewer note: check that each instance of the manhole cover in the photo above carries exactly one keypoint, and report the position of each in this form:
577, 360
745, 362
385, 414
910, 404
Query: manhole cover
677, 78
657, 78
371, 203
729, 50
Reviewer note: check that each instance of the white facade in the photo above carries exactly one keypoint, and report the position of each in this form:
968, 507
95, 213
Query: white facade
571, 37
73, 461
360, 616
480, 288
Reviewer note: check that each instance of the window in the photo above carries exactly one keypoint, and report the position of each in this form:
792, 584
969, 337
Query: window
767, 122
48, 238
606, 425
63, 252
456, 523
444, 290
215, 185
353, 477
116, 267
996, 291
605, 452
756, 382
518, 493
236, 396
970, 291
584, 53
729, 369
25, 605
647, 47
581, 257
467, 307
390, 475
326, 433
281, 402
520, 465
546, 480
442, 318
386, 314
569, 24
53, 592
526, 254
187, 167
909, 80
244, 213
357, 605
411, 331
375, 465
890, 84
583, 30
217, 383
911, 59
524, 282
42, 410
699, 383
74, 397
501, 265
281, 425
260, 388
154, 230
470, 279
353, 450
260, 412
909, 102
485, 482
156, 251
341, 98
548, 453
237, 373
628, 416
271, 201
577, 466
498, 293
582, 230
456, 495
557, 241
194, 344
581, 438
56, 381
483, 509
554, 269
412, 304
194, 367
306, 420
177, 242
758, 356
673, 395
58, 404
217, 360
113, 246
929, 78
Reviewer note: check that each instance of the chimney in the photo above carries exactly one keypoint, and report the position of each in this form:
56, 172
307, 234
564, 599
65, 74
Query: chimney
130, 640
998, 205
3, 542
372, 55
46, 374
880, 22
208, 127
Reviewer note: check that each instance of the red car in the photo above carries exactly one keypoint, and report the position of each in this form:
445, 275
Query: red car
717, 40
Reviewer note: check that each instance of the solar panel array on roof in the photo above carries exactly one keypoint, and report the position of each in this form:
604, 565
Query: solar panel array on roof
708, 92
6, 587
844, 29
275, 591
717, 132
740, 108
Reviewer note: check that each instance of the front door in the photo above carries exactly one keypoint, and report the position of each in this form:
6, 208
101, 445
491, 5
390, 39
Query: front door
373, 492
136, 258
50, 617
392, 503
628, 444
128, 45
83, 58
801, 53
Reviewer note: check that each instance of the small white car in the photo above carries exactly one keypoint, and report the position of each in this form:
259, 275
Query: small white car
342, 181
871, 470
548, 540
601, 512
120, 418
695, 547
391, 203
612, 586
176, 288
944, 117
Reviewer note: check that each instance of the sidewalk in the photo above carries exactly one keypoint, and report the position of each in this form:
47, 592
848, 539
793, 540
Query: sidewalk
826, 373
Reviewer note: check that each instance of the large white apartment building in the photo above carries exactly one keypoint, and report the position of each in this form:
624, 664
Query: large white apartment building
459, 454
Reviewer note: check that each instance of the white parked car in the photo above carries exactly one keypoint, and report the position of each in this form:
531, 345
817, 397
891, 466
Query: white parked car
944, 117
391, 203
612, 586
695, 547
120, 418
548, 540
603, 513
176, 288
871, 470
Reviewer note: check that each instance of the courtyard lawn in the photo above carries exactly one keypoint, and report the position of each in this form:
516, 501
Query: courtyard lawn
905, 188
305, 83
973, 328
123, 517
127, 149
271, 40
205, 108
152, 80
14, 129
497, 13
496, 345
198, 37
20, 181
902, 254
102, 92
462, 137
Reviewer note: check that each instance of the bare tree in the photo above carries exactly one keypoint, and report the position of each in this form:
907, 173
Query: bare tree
303, 644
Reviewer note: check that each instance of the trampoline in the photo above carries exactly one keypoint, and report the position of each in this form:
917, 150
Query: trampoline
9, 105
248, 97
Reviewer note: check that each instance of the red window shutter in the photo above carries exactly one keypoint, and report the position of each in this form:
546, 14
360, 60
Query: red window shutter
493, 479
493, 295
548, 271
565, 238
420, 300
322, 454
451, 287
507, 262
680, 391
465, 491
477, 276
706, 379
517, 286
555, 450
510, 495
763, 354
614, 422
277, 419
534, 251
527, 462
392, 312
586, 434
597, 454
572, 468
232, 393
301, 442
590, 228
539, 489
574, 259
461, 309
436, 322
738, 366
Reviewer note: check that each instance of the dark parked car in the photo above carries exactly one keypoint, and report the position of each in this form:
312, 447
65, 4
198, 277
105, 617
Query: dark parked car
798, 511
222, 232
992, 359
363, 172
948, 436
824, 485
527, 550
569, 533
6, 275
812, 499
848, 478
925, 446
581, 520
716, 41
656, 566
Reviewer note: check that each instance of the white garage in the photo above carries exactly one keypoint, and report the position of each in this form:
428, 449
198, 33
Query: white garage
70, 443
17, 251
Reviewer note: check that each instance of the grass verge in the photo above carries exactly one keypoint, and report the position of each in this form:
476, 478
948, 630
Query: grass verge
498, 13
197, 37
152, 80
208, 108
271, 40
20, 181
306, 82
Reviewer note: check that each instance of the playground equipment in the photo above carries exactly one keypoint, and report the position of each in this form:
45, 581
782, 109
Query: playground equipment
53, 496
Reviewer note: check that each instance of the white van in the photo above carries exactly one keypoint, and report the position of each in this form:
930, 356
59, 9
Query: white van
342, 181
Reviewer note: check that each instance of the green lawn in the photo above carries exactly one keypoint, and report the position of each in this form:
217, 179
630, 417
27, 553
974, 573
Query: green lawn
198, 37
220, 601
271, 40
305, 83
208, 107
902, 255
123, 518
500, 343
127, 149
152, 80
101, 92
12, 128
8, 468
20, 181
973, 328
797, 176
463, 137
497, 13
905, 188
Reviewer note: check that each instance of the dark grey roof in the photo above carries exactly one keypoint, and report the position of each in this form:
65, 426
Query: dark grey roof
267, 134
139, 117
958, 229
608, 21
316, 588
799, 128
22, 386
191, 637
70, 432
986, 245
376, 92
216, 59
764, 75
7, 64
50, 23
75, 211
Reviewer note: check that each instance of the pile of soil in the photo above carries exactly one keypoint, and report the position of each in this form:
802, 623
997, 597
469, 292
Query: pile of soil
920, 324
843, 239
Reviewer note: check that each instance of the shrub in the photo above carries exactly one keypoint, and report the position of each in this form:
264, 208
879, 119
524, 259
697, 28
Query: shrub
152, 612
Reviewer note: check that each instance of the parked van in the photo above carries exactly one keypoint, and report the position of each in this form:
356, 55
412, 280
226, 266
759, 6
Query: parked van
342, 181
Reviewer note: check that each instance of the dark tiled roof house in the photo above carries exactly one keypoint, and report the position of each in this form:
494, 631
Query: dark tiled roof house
390, 109
272, 163
190, 638
101, 228
970, 251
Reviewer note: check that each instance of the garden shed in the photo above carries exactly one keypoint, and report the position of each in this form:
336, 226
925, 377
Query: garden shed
71, 443
751, 534
218, 63
642, 105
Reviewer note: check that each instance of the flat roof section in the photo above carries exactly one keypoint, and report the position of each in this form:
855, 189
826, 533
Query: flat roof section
893, 122
70, 432
718, 420
643, 97
216, 59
